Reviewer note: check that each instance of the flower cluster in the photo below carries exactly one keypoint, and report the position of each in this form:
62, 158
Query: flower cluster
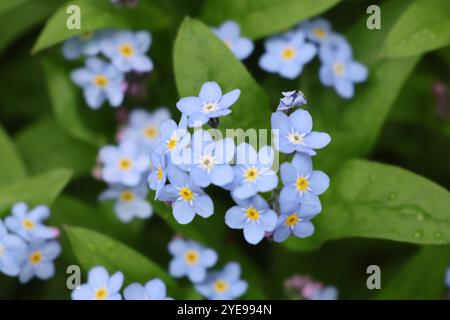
287, 53
105, 79
191, 259
101, 286
27, 246
125, 166
230, 33
301, 287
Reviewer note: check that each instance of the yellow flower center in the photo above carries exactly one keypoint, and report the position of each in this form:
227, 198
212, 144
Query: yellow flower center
125, 164
127, 196
126, 50
209, 107
101, 294
251, 174
252, 213
35, 258
301, 184
292, 220
101, 80
220, 286
27, 224
191, 257
172, 143
338, 68
151, 132
207, 162
295, 138
319, 33
288, 53
186, 194
159, 173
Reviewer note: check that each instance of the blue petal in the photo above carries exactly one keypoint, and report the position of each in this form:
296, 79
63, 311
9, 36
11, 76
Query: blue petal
44, 270
302, 164
177, 268
269, 220
357, 72
176, 176
344, 88
238, 288
196, 274
267, 182
303, 229
289, 194
222, 175
280, 121
253, 233
168, 193
98, 277
291, 70
156, 289
189, 105
319, 182
244, 191
229, 98
204, 206
281, 233
210, 92
200, 177
242, 48
270, 62
288, 173
317, 140
235, 218
177, 247
183, 212
302, 121
208, 258
134, 291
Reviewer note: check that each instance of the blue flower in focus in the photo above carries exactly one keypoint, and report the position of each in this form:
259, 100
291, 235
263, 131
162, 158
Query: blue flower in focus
157, 177
88, 44
210, 103
190, 259
223, 285
186, 197
291, 99
286, 55
100, 81
173, 138
29, 224
39, 261
293, 133
100, 286
253, 171
12, 252
326, 293
254, 216
130, 202
123, 164
295, 219
230, 33
127, 50
153, 290
317, 30
301, 183
143, 128
339, 70
207, 160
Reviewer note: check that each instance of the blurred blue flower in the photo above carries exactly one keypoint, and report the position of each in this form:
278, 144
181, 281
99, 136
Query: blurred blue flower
317, 30
301, 183
210, 103
12, 252
286, 55
223, 285
88, 44
253, 171
254, 216
293, 133
173, 138
186, 197
28, 224
157, 177
190, 259
153, 290
143, 128
100, 286
100, 81
39, 261
230, 33
295, 219
129, 202
207, 160
447, 278
123, 164
291, 99
326, 293
127, 50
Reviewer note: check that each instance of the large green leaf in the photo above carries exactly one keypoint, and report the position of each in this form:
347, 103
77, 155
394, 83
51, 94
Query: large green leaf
8, 5
100, 14
41, 189
199, 56
12, 167
373, 200
92, 249
259, 18
424, 26
423, 277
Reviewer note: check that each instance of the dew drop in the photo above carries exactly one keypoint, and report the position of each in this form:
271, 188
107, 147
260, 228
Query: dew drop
418, 234
438, 234
392, 196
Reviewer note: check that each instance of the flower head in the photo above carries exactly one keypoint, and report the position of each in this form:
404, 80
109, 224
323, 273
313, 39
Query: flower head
100, 286
230, 33
158, 176
173, 138
190, 259
127, 50
223, 285
317, 30
88, 44
153, 290
293, 133
291, 99
39, 261
210, 103
12, 252
100, 81
254, 216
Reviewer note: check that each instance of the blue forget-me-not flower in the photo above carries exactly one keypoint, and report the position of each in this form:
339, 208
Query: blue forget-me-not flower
291, 99
87, 44
153, 290
39, 260
158, 176
317, 30
173, 138
230, 33
100, 286
12, 252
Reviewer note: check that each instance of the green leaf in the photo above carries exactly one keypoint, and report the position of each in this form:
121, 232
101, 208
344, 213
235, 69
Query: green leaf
92, 249
37, 145
12, 167
199, 56
422, 278
259, 18
41, 189
423, 27
373, 200
100, 14
11, 4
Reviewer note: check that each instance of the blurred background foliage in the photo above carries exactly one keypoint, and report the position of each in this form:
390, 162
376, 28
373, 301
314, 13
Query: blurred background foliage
49, 140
